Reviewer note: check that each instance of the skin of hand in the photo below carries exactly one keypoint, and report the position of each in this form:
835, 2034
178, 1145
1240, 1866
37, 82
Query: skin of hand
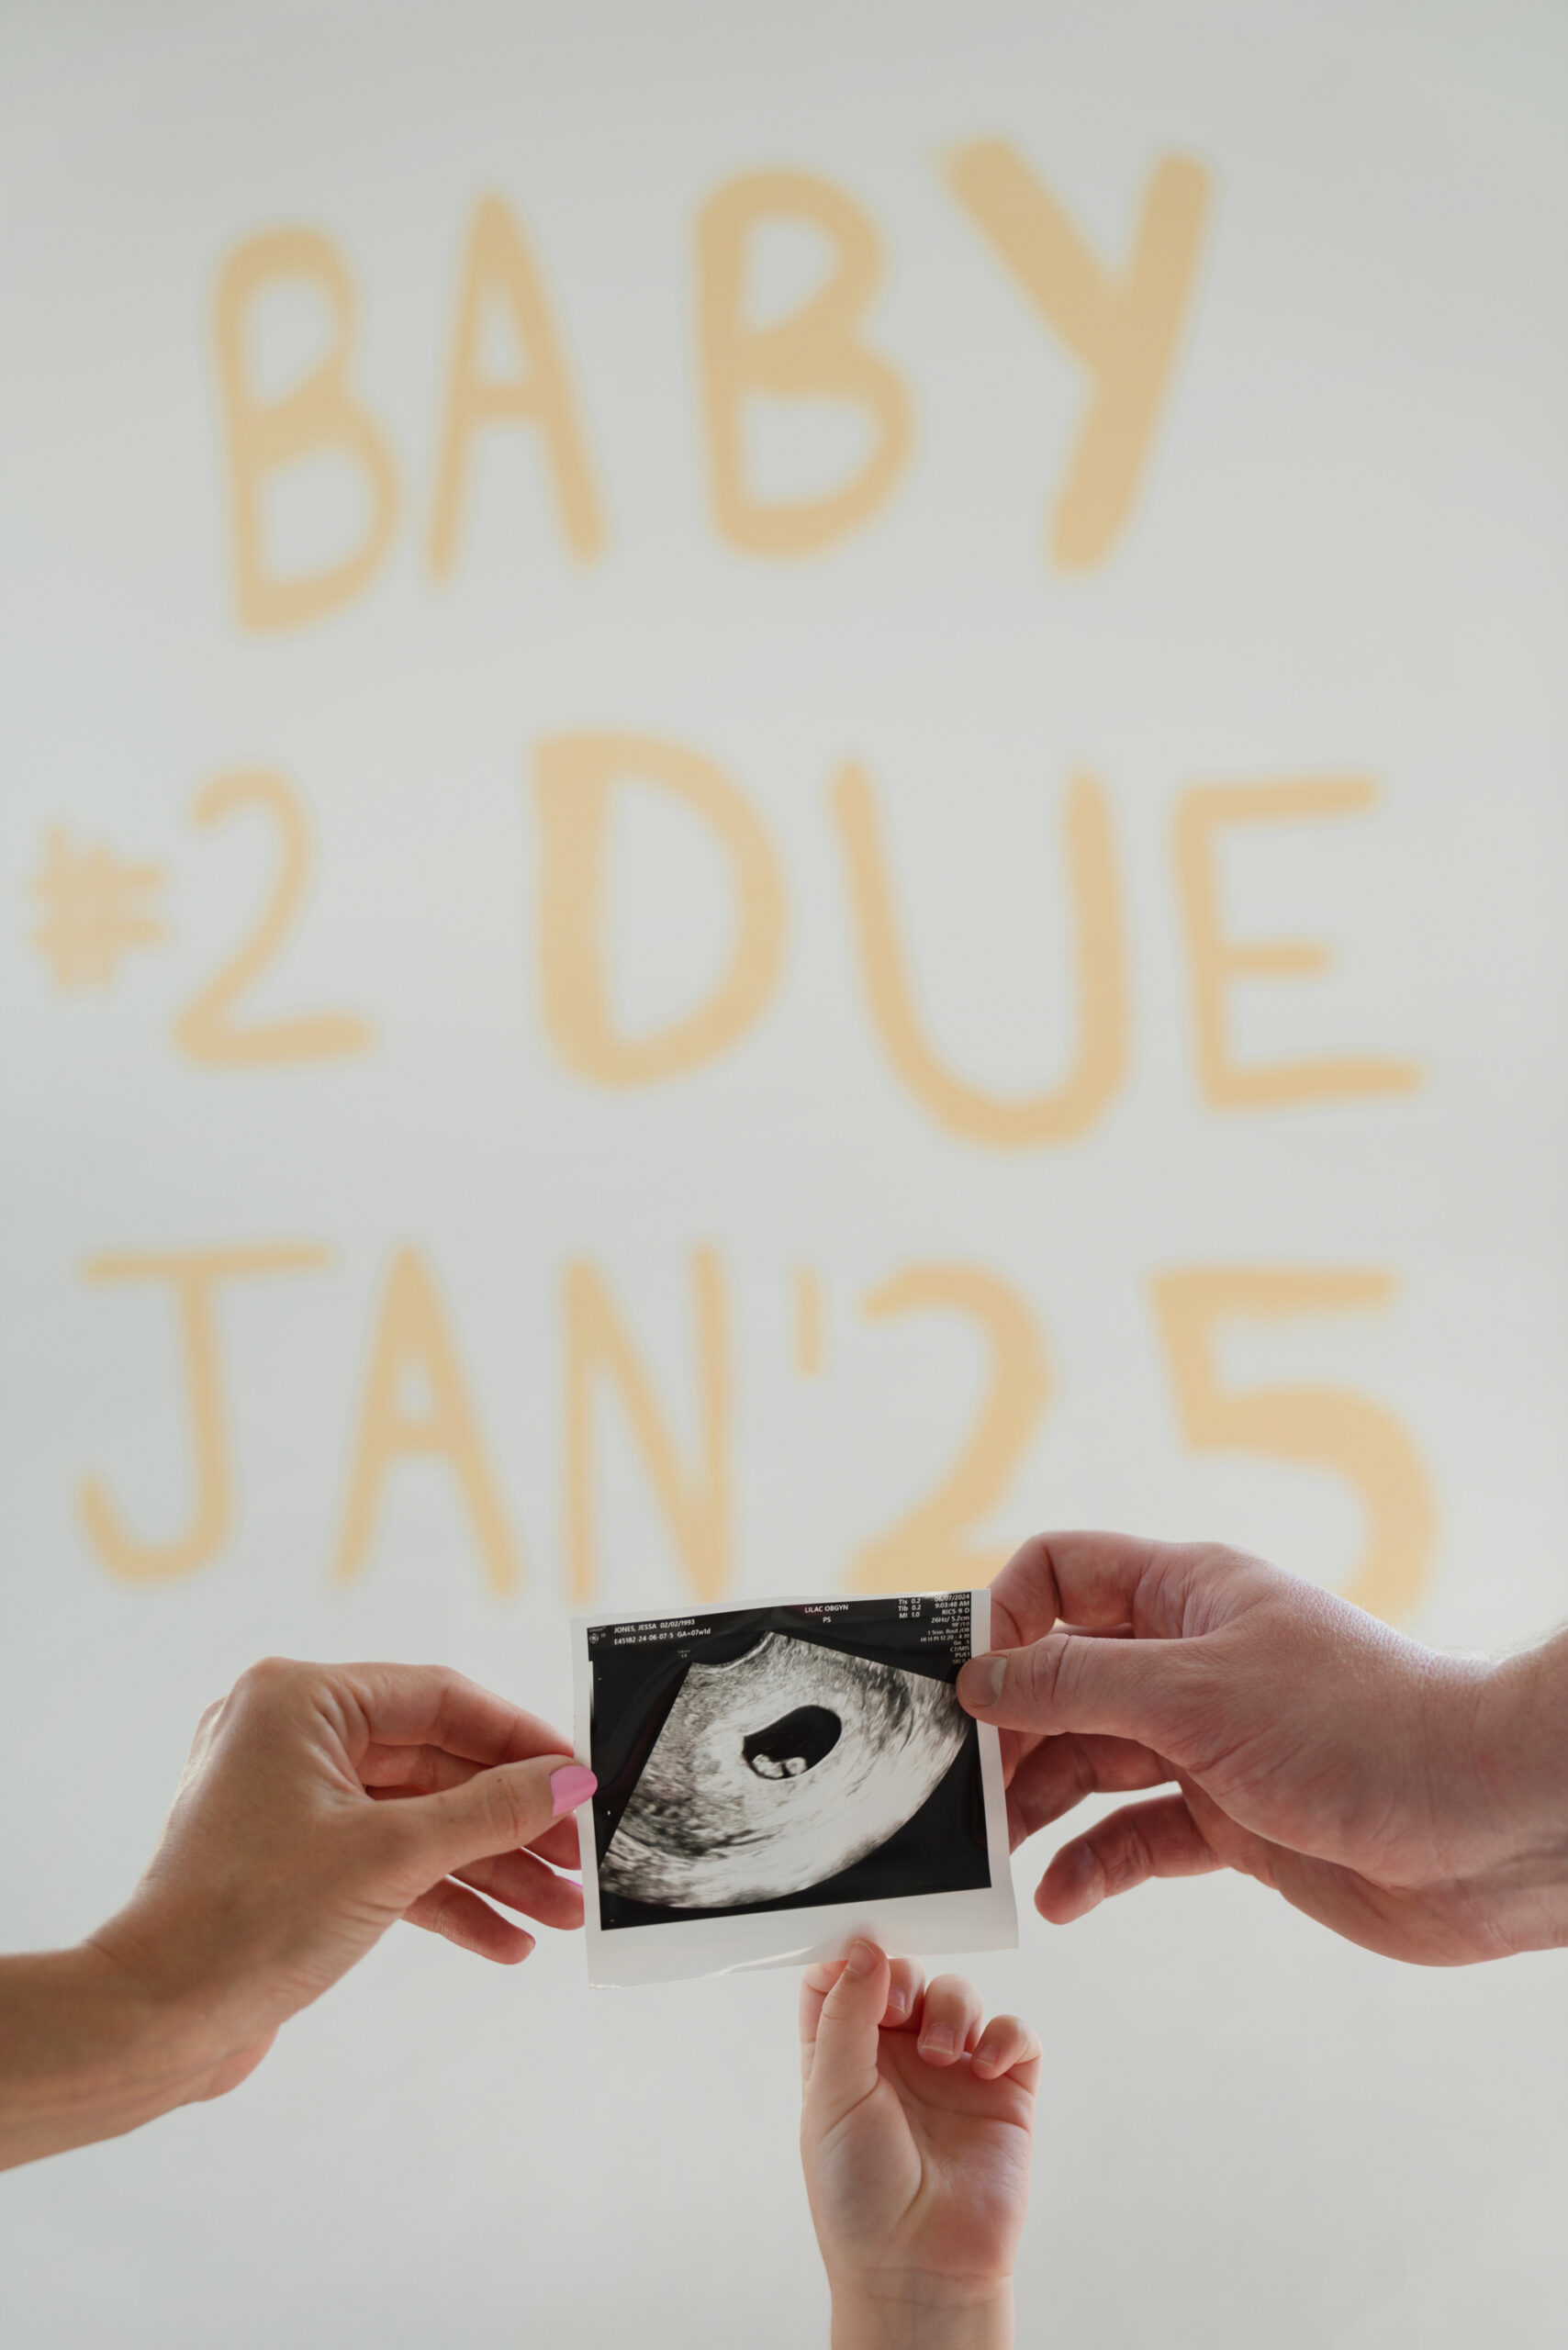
321, 1804
1415, 1802
916, 2130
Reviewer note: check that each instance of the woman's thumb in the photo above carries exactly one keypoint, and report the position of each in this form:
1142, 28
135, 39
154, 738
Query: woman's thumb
496, 1810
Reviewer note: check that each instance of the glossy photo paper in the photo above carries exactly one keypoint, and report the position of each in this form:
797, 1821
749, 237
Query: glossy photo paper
773, 1778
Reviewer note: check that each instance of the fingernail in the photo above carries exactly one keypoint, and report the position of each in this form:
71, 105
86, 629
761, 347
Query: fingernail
937, 2042
898, 2002
570, 1787
862, 1958
980, 1682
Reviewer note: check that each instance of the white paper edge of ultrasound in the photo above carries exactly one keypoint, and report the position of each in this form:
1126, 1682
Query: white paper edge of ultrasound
924, 1925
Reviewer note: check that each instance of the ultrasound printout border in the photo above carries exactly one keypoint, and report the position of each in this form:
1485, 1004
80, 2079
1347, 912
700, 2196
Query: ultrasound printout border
797, 1932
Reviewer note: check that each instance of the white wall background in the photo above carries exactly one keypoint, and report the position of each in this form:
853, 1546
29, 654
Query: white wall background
1348, 557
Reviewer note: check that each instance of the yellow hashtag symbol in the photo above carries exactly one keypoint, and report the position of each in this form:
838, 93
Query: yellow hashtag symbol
96, 909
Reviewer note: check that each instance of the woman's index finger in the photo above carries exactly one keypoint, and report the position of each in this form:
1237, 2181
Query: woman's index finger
420, 1705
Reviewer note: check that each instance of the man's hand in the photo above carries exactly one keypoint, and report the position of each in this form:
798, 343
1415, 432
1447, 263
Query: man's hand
1415, 1802
321, 1804
915, 2134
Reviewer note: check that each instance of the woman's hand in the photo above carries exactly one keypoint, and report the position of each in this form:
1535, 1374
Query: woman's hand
915, 2136
321, 1804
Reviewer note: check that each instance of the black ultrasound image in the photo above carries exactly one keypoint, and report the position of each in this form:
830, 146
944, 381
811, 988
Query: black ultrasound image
782, 1757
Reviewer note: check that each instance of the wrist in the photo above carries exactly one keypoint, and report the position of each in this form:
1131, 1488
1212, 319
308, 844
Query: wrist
1521, 1747
195, 2030
914, 2311
86, 2051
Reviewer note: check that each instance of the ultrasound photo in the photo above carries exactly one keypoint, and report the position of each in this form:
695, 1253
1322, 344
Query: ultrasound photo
777, 1771
805, 1754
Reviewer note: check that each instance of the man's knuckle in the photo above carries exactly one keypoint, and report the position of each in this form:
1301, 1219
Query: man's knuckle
1085, 1778
1042, 1675
269, 1678
438, 1912
1127, 1858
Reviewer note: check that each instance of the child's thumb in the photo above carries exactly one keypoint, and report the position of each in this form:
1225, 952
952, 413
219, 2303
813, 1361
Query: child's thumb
843, 2065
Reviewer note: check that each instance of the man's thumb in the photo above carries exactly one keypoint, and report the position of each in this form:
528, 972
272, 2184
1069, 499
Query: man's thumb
1070, 1680
498, 1810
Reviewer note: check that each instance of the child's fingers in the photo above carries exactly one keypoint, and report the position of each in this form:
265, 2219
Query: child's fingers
815, 1985
951, 2021
1008, 2046
908, 1981
841, 2062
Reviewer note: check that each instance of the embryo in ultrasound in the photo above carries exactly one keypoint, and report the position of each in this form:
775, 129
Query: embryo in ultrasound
777, 1770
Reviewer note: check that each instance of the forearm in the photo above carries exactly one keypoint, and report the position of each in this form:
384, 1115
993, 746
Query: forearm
86, 2053
913, 2318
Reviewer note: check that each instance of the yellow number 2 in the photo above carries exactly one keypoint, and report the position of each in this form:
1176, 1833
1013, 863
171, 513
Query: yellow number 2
207, 1030
933, 1547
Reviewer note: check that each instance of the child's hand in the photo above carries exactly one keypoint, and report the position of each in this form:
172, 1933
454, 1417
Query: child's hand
915, 2136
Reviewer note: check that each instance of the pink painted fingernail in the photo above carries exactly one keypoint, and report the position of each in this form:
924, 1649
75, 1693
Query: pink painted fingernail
570, 1787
